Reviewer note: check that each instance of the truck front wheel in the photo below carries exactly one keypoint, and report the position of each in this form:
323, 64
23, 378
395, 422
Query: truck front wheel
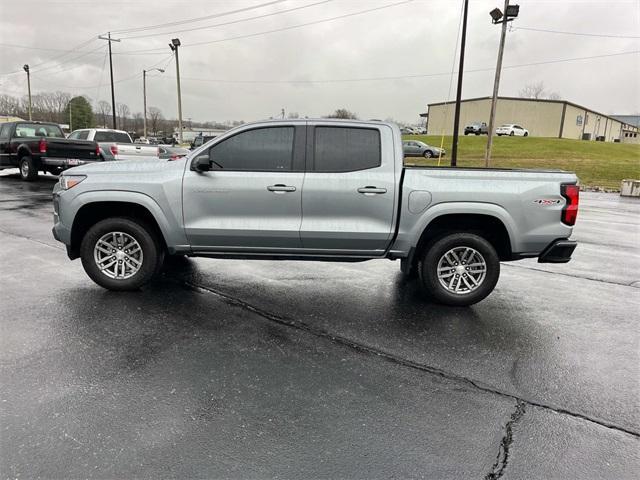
121, 253
459, 269
28, 169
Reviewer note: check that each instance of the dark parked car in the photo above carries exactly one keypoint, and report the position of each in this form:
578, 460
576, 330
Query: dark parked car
414, 148
201, 140
476, 128
167, 152
39, 146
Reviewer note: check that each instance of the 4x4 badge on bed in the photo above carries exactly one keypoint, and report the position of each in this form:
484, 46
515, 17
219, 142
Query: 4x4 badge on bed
545, 202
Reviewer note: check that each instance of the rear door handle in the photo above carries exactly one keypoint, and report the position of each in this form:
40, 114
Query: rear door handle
369, 190
280, 188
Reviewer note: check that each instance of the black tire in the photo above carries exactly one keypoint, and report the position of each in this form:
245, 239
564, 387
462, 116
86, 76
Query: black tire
526, 134
477, 133
152, 253
428, 269
466, 133
427, 154
511, 134
28, 169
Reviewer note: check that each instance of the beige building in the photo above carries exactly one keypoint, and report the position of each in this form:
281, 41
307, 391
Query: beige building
543, 118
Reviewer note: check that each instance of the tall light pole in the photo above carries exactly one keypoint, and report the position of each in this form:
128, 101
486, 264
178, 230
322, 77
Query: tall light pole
456, 118
510, 12
26, 69
175, 43
113, 94
144, 95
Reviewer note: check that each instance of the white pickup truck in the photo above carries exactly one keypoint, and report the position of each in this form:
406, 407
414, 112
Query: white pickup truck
116, 144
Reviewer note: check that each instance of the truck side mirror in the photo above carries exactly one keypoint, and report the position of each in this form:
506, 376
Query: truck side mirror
201, 163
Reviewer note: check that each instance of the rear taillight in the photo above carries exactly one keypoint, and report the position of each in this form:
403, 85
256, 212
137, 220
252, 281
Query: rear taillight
98, 150
571, 193
113, 149
42, 146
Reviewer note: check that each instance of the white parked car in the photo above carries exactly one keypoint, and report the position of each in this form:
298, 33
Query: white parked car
512, 130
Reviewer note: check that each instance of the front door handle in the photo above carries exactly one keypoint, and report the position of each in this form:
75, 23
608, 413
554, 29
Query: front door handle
370, 190
280, 188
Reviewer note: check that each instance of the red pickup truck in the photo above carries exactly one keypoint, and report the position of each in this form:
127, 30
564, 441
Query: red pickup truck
39, 146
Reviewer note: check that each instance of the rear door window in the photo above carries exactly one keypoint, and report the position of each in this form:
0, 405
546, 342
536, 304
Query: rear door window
4, 131
346, 149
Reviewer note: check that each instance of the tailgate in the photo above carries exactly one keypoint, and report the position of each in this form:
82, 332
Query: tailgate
133, 150
74, 149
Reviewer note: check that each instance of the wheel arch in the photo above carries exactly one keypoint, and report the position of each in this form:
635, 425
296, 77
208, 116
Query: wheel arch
488, 226
23, 150
92, 212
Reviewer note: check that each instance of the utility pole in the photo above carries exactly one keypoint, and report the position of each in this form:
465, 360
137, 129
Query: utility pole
144, 95
456, 120
510, 12
175, 43
113, 95
26, 69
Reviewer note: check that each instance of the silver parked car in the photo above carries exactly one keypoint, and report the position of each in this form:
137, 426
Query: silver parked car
167, 152
414, 148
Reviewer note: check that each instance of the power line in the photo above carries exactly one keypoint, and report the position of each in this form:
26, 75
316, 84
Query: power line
198, 19
581, 34
233, 22
65, 52
402, 77
290, 27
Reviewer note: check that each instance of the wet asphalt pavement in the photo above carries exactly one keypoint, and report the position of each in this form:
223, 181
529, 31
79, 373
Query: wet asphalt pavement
257, 369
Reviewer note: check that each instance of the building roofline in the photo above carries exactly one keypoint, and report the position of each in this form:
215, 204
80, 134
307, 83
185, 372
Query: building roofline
545, 100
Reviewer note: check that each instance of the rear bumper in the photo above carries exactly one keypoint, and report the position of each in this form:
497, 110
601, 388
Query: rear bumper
65, 162
559, 251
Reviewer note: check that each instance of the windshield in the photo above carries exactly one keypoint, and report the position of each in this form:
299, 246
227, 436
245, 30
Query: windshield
119, 137
38, 130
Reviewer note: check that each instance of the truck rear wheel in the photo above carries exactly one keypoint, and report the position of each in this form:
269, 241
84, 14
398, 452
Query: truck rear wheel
459, 269
28, 169
121, 253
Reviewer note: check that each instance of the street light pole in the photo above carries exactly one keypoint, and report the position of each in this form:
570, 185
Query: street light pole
144, 95
175, 43
498, 17
456, 119
26, 69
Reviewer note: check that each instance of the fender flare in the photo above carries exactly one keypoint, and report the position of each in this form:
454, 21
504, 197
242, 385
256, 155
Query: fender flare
173, 234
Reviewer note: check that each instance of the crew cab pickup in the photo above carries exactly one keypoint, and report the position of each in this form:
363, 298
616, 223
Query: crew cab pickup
328, 190
41, 146
115, 144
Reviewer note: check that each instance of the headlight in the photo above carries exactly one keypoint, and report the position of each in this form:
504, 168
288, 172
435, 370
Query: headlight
70, 181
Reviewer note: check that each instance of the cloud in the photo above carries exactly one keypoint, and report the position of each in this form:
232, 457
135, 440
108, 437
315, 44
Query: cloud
409, 39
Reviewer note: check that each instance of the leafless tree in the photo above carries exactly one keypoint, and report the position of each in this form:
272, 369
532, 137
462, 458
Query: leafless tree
122, 110
137, 122
9, 105
155, 118
537, 91
342, 113
104, 110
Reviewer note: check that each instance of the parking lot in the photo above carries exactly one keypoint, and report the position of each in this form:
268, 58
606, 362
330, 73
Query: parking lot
230, 368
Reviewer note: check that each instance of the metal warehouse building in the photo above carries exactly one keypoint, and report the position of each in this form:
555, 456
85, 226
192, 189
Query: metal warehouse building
543, 118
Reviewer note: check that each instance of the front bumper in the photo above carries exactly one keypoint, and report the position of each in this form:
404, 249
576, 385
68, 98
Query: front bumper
559, 251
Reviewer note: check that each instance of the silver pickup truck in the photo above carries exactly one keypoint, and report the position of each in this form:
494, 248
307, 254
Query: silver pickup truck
116, 144
326, 190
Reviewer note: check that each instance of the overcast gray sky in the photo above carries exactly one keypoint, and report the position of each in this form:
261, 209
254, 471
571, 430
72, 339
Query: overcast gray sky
299, 68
